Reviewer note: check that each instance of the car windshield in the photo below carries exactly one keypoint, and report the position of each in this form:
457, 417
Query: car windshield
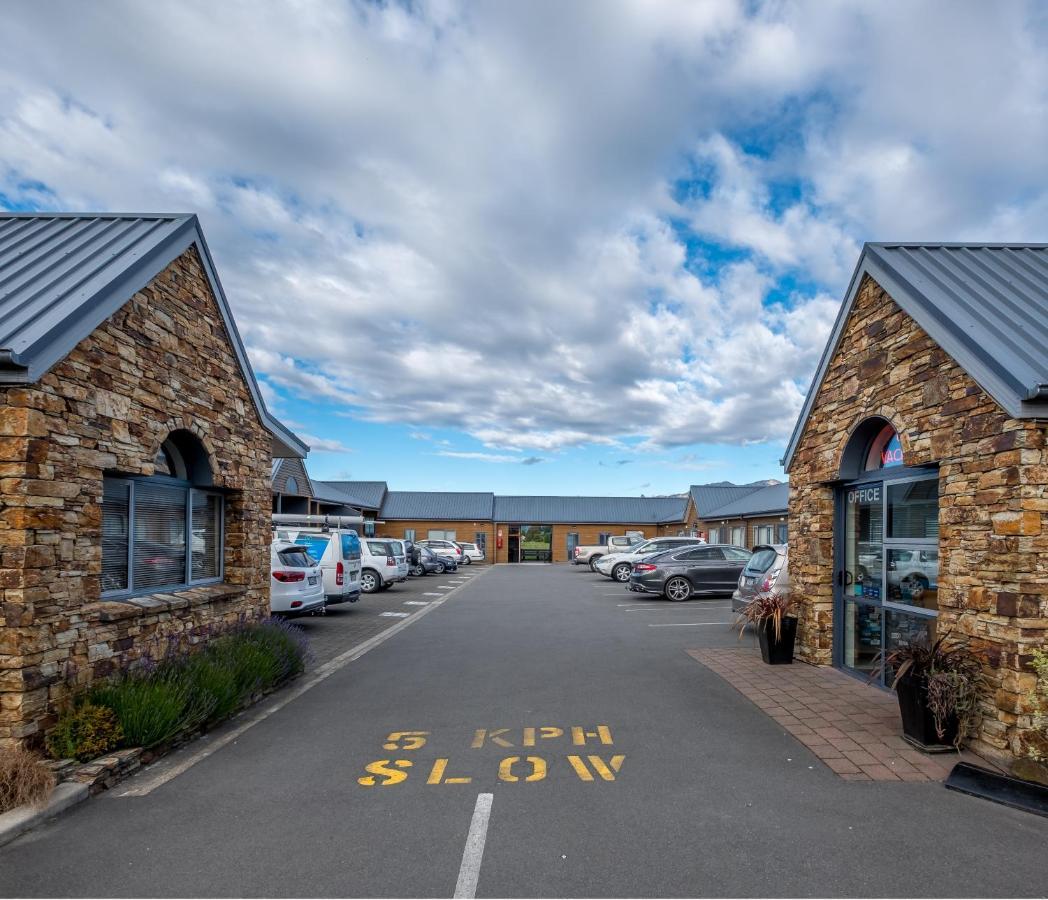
646, 547
762, 560
296, 558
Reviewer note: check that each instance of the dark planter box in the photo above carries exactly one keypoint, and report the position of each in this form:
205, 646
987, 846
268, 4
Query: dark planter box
778, 653
918, 723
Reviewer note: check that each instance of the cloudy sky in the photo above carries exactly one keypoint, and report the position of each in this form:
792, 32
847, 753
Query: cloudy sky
535, 247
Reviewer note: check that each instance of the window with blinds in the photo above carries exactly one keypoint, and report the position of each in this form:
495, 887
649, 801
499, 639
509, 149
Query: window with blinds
158, 534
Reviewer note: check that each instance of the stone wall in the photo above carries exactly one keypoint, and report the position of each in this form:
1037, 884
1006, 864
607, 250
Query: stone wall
993, 485
162, 362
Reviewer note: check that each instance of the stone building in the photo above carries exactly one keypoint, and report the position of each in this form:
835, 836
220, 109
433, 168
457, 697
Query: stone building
135, 455
919, 470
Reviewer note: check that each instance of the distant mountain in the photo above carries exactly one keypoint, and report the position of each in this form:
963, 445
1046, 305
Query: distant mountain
764, 482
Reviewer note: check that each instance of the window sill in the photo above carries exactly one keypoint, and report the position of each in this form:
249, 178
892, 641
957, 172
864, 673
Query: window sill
114, 610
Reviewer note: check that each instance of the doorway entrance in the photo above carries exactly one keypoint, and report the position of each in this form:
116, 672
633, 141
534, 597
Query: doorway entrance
530, 543
886, 533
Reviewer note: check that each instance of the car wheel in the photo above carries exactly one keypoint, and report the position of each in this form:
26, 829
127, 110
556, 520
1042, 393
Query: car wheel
593, 563
418, 571
621, 572
677, 589
369, 582
440, 568
466, 561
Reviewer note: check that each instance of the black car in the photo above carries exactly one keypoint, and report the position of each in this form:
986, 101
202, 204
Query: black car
680, 573
429, 563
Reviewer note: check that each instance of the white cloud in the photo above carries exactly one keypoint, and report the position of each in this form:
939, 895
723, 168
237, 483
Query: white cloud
324, 445
454, 216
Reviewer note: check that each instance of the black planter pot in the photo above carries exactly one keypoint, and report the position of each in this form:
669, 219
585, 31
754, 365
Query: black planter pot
778, 653
918, 723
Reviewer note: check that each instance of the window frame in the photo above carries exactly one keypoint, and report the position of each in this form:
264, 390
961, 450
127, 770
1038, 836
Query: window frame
130, 481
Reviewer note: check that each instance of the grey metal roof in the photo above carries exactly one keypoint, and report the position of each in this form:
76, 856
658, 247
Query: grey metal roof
708, 497
62, 275
986, 305
446, 505
771, 500
365, 494
590, 510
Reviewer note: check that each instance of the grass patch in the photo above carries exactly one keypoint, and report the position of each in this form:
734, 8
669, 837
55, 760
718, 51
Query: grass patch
84, 732
24, 779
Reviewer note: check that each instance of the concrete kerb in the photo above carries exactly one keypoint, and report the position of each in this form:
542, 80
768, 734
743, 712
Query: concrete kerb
67, 794
18, 821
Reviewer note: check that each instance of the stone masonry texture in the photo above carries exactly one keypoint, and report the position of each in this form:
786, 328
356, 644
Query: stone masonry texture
993, 500
162, 362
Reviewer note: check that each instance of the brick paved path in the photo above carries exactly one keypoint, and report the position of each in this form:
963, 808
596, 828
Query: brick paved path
852, 727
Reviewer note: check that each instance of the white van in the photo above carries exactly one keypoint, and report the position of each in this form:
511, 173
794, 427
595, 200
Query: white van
334, 546
383, 563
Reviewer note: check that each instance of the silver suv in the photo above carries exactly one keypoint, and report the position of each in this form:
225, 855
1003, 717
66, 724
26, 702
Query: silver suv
767, 572
619, 565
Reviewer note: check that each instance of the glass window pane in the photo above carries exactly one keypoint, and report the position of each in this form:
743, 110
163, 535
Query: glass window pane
903, 628
885, 451
863, 535
316, 544
207, 535
913, 577
738, 536
114, 535
862, 635
783, 534
913, 509
160, 536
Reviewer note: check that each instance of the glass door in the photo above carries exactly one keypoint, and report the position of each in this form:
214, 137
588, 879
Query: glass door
860, 575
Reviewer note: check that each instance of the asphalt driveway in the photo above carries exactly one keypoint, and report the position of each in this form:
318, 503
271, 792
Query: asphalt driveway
617, 766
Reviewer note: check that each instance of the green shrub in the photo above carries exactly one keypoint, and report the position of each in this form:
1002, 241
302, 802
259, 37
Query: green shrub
208, 686
153, 707
84, 732
24, 779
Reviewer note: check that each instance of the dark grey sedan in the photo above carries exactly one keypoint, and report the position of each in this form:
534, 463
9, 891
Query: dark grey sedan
678, 574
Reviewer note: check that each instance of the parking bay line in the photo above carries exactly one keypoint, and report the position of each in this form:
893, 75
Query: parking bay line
685, 624
473, 852
216, 741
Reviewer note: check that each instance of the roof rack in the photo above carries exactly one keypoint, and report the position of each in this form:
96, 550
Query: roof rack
324, 521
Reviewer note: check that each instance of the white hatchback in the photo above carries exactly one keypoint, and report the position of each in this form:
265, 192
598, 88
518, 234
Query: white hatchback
295, 582
471, 553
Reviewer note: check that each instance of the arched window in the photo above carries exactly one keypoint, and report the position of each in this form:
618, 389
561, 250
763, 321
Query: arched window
162, 532
291, 485
874, 445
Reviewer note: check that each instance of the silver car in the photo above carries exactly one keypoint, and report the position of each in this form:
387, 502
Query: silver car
767, 572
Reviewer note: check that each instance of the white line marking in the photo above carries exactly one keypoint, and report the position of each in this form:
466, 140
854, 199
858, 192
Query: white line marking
473, 852
687, 624
431, 594
416, 603
677, 609
395, 615
205, 746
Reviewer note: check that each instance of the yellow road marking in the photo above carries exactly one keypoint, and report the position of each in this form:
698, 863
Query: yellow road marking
579, 735
390, 775
604, 770
538, 768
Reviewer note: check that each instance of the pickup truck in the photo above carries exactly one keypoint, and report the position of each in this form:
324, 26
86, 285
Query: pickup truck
589, 554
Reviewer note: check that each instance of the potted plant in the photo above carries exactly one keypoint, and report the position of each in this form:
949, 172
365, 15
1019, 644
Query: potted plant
776, 627
938, 684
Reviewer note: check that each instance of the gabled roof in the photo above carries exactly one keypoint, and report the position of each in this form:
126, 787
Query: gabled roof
771, 500
708, 497
986, 305
363, 494
283, 469
62, 275
446, 505
590, 510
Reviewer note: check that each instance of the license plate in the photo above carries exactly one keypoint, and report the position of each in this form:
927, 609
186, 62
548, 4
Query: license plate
313, 579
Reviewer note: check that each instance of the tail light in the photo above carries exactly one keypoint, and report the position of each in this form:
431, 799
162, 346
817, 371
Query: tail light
391, 560
644, 567
286, 577
340, 574
767, 585
576, 551
295, 604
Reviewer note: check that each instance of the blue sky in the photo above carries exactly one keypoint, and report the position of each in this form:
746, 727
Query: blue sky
592, 247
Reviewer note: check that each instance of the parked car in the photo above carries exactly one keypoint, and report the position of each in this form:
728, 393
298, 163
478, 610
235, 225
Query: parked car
618, 565
681, 573
444, 548
337, 550
383, 564
766, 572
428, 563
588, 554
471, 553
450, 564
296, 585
